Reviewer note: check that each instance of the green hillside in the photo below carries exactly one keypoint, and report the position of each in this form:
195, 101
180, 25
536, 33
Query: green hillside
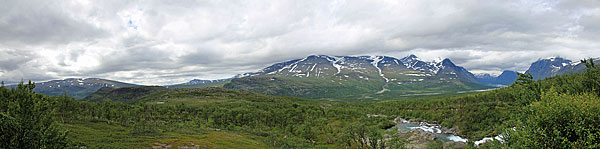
124, 94
351, 88
202, 85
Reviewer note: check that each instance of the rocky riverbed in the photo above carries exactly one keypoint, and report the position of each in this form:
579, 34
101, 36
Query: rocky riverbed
420, 134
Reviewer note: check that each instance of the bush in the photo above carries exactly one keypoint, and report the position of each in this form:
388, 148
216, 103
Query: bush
26, 121
559, 121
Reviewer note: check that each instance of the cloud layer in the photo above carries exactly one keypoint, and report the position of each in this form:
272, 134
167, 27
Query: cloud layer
164, 42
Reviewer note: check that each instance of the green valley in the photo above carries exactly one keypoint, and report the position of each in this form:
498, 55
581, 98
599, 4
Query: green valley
559, 111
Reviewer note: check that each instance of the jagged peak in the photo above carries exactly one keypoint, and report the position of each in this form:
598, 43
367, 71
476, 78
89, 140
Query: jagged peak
411, 57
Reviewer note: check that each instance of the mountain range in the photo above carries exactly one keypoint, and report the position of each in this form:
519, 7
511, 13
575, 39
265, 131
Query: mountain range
78, 88
343, 77
358, 77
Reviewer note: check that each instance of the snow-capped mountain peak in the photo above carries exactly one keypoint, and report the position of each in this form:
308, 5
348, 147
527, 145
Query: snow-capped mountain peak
438, 60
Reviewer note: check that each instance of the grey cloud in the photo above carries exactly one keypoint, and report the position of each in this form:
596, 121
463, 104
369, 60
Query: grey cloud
591, 25
174, 41
134, 59
13, 59
16, 65
42, 22
578, 4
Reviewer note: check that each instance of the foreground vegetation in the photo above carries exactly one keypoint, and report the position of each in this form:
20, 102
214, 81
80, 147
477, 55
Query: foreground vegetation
558, 112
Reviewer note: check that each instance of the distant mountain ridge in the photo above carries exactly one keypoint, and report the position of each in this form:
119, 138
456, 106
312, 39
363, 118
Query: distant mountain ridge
506, 78
198, 83
76, 87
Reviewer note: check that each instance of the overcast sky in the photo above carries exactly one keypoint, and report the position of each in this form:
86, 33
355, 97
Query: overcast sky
163, 41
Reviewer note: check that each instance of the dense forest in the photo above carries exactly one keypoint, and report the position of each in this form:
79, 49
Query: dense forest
558, 112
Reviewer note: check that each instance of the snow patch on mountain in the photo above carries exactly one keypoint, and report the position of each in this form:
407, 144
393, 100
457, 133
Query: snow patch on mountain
313, 67
438, 60
375, 62
411, 61
293, 64
438, 64
334, 61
